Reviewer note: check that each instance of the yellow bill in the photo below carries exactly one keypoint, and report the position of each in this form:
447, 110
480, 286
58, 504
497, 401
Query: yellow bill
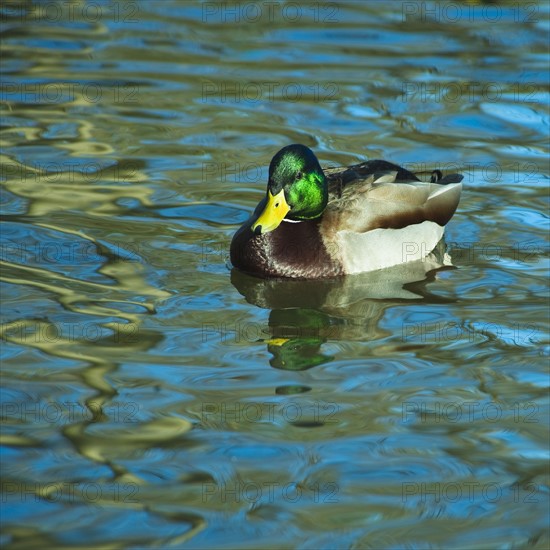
277, 341
274, 212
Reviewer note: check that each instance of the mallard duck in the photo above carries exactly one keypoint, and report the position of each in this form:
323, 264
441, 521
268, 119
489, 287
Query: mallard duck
340, 221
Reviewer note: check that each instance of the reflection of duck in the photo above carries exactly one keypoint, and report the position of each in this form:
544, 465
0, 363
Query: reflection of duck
296, 353
340, 295
314, 224
305, 314
297, 337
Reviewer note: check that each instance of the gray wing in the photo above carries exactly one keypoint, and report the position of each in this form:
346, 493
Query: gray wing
379, 201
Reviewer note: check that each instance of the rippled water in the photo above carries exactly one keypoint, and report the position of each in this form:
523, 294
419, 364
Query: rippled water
151, 397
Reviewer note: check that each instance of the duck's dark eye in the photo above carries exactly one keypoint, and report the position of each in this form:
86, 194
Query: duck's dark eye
299, 175
276, 205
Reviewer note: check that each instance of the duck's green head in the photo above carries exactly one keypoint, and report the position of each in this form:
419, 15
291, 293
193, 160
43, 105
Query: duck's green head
296, 190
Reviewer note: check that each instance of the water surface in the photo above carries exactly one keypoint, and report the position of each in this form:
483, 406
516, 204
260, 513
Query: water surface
152, 397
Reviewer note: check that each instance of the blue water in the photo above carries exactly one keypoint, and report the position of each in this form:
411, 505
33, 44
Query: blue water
151, 396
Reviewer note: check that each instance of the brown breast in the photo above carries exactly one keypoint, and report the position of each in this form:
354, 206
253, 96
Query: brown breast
292, 250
